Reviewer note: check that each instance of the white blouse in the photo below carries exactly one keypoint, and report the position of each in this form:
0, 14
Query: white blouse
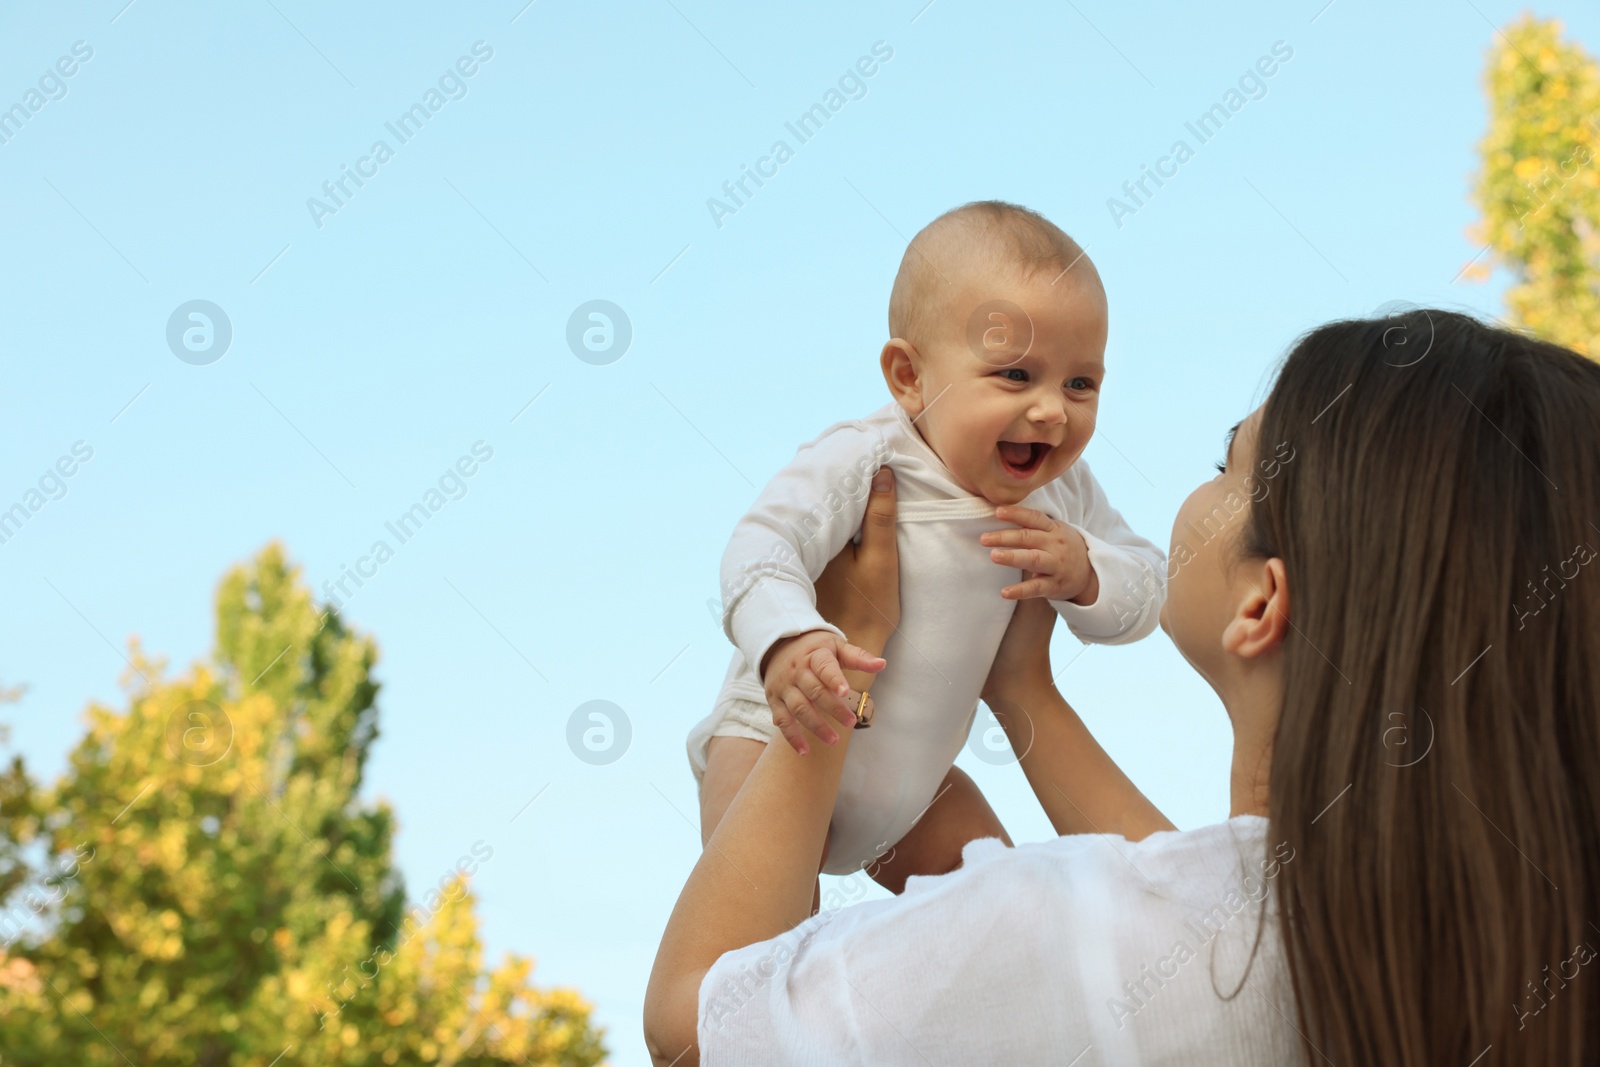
1083, 950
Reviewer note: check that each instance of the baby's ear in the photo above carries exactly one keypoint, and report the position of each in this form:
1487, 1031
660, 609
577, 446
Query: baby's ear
902, 373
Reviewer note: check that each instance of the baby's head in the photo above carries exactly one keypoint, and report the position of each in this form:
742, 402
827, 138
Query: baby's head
997, 327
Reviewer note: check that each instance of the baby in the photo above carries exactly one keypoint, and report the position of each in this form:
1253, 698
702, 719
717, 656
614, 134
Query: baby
995, 363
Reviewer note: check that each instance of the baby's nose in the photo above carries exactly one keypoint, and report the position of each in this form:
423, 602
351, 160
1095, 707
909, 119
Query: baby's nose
1049, 411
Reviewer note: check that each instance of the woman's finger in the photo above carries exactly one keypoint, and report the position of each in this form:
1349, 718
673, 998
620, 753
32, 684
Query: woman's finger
878, 557
877, 528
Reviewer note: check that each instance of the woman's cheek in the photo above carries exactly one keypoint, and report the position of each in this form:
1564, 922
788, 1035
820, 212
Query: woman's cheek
1176, 609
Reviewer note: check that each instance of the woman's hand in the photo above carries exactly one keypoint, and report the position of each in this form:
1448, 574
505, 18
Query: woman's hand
1022, 664
774, 830
859, 590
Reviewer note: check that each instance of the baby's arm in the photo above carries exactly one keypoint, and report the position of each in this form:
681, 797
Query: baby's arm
804, 680
1132, 571
1106, 581
801, 520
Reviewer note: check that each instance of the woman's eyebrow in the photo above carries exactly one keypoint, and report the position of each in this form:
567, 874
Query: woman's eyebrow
1227, 445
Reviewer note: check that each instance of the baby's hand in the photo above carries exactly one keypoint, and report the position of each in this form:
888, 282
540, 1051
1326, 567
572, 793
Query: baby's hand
1053, 556
803, 675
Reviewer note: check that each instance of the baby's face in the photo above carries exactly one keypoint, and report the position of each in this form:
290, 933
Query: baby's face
1011, 389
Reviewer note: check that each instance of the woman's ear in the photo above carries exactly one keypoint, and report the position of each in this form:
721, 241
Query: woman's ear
1261, 620
902, 372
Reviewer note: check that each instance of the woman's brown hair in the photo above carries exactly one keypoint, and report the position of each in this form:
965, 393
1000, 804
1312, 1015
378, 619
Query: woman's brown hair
1437, 761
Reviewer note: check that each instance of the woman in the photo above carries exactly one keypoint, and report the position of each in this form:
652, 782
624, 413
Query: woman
1388, 586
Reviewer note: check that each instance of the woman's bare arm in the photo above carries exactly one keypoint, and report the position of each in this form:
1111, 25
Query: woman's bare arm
1080, 787
753, 881
755, 878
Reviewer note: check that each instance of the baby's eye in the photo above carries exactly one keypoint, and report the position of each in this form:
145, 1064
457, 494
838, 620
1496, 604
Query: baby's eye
1081, 384
1016, 370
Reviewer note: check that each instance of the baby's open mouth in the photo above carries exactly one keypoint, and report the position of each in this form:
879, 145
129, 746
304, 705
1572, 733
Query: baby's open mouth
1022, 459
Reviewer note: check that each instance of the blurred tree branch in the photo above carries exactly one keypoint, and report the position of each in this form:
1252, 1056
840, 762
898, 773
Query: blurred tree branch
209, 888
1539, 185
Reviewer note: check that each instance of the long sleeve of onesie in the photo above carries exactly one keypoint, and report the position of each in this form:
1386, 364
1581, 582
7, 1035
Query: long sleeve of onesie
953, 617
803, 517
1131, 570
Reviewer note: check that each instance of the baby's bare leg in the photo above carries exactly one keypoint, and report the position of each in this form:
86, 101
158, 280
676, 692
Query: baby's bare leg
728, 763
958, 814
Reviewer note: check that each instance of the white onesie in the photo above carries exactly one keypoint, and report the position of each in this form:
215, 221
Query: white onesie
952, 616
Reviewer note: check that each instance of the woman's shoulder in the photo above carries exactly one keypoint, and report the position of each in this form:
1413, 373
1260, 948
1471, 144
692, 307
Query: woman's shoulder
1184, 867
1176, 852
1131, 945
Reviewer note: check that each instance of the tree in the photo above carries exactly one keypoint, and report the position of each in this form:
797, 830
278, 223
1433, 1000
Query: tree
1539, 187
204, 886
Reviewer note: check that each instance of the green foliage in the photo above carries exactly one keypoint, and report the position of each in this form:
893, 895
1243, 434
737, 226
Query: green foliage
1539, 187
204, 885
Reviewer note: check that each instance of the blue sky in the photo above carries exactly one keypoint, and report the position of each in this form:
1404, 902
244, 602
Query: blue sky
374, 345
